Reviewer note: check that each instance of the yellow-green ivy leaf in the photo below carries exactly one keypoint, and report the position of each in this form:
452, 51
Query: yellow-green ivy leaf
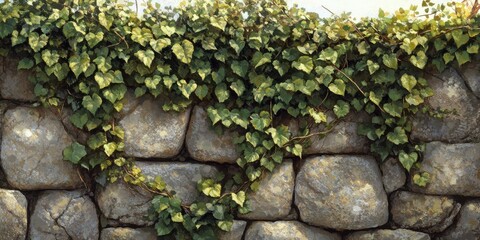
183, 51
408, 81
146, 57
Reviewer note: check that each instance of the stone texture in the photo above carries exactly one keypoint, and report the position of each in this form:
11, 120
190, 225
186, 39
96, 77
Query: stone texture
128, 234
236, 233
451, 93
13, 215
470, 73
343, 138
467, 225
31, 152
454, 169
203, 144
346, 191
273, 199
287, 230
423, 212
151, 132
14, 84
393, 175
64, 215
386, 234
129, 205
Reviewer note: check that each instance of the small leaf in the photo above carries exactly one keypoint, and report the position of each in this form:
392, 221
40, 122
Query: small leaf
459, 37
238, 87
341, 109
239, 198
407, 160
210, 188
79, 63
222, 92
280, 135
304, 63
390, 60
183, 51
201, 91
145, 56
337, 87
110, 148
92, 103
94, 39
398, 136
408, 81
240, 68
105, 20
74, 153
25, 63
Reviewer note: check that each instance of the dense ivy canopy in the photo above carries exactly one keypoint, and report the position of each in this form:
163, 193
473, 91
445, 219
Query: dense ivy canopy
250, 63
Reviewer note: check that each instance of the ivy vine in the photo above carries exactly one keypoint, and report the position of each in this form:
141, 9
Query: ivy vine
252, 63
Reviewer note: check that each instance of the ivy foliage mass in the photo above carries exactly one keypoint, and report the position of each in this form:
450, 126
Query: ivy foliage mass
251, 62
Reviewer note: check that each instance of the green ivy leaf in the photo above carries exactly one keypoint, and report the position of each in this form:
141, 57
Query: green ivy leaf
74, 153
105, 20
421, 179
398, 136
280, 135
183, 51
390, 60
239, 198
177, 217
337, 87
222, 92
237, 45
408, 81
462, 57
37, 42
146, 57
79, 118
329, 55
459, 37
25, 63
341, 109
218, 22
201, 91
159, 44
50, 57
259, 59
240, 68
407, 159
110, 148
419, 60
187, 88
93, 39
97, 140
210, 188
238, 87
394, 109
225, 225
163, 228
92, 103
79, 63
304, 63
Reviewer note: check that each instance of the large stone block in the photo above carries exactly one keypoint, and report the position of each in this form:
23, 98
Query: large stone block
341, 192
387, 234
431, 214
64, 215
124, 233
204, 144
31, 152
454, 169
273, 199
14, 84
471, 73
452, 94
129, 205
286, 230
151, 132
13, 215
467, 225
393, 175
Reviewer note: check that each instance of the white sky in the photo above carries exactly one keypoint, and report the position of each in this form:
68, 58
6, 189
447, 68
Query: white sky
358, 8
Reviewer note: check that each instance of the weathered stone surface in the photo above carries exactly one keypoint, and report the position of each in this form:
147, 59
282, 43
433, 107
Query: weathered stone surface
343, 138
130, 205
14, 84
286, 230
346, 191
386, 234
31, 152
422, 212
151, 132
204, 144
454, 169
273, 199
467, 225
236, 233
13, 215
128, 234
64, 215
393, 175
451, 94
471, 74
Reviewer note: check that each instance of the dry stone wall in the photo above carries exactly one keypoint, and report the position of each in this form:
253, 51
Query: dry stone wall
338, 191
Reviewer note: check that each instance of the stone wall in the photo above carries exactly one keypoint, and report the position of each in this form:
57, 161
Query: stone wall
338, 191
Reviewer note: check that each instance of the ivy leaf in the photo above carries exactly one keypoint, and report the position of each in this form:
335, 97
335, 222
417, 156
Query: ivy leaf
238, 87
177, 217
159, 44
183, 51
408, 81
97, 140
317, 116
94, 39
419, 60
280, 135
237, 45
25, 63
187, 89
407, 159
115, 92
201, 91
398, 136
92, 103
240, 68
394, 109
36, 41
337, 87
79, 63
239, 198
74, 153
105, 20
462, 57
259, 59
329, 55
304, 63
210, 188
390, 60
222, 92
50, 57
225, 225
169, 31
218, 22
281, 67
372, 66
79, 118
460, 38
109, 148
341, 109
163, 228
103, 80
146, 57
421, 179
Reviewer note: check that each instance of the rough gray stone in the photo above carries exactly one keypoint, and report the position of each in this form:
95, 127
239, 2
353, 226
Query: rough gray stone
64, 215
386, 234
129, 205
151, 132
450, 93
422, 212
204, 144
454, 169
14, 84
273, 199
286, 230
128, 234
467, 225
346, 191
393, 175
31, 152
13, 215
470, 72
236, 233
343, 138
